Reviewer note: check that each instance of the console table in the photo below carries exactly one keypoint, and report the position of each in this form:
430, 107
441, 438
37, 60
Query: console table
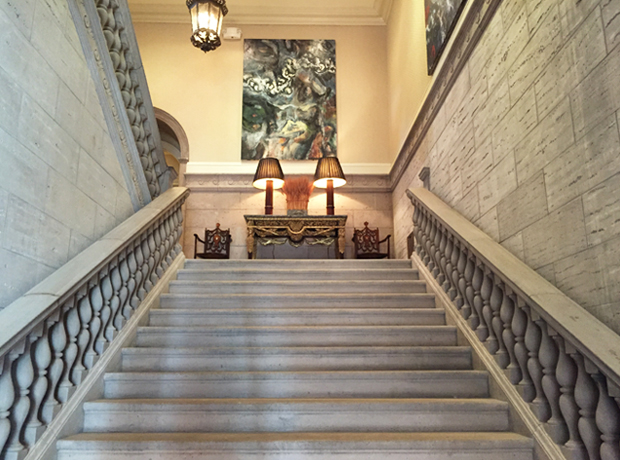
269, 229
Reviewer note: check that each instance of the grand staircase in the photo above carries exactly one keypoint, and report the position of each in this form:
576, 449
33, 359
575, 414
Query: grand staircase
297, 360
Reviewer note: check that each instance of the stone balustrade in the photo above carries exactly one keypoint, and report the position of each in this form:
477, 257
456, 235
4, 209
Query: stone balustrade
563, 361
52, 336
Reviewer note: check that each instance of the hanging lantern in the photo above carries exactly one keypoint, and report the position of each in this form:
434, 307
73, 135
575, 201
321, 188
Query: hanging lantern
207, 17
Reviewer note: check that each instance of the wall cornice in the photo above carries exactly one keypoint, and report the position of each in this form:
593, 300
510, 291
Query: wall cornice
217, 183
289, 167
475, 21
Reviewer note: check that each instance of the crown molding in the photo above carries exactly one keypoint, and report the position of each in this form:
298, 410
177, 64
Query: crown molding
368, 13
289, 167
242, 183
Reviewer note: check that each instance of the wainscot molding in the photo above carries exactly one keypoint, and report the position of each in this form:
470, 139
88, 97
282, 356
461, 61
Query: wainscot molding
475, 20
212, 183
289, 167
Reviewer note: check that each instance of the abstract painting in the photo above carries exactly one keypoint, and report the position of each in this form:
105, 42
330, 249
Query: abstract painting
289, 99
441, 17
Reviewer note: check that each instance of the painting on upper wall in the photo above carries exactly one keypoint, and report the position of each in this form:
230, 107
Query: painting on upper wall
441, 17
289, 99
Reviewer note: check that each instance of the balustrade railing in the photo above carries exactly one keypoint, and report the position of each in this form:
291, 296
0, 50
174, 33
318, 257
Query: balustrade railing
563, 361
52, 336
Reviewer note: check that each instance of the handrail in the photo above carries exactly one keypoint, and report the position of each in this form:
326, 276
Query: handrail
52, 336
563, 361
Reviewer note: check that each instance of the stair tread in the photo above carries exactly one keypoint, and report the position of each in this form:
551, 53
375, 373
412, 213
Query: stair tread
439, 349
283, 374
292, 328
280, 311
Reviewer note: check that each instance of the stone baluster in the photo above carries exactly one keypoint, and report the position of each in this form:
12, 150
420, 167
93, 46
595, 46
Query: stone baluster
461, 282
159, 252
80, 369
96, 323
430, 245
117, 302
441, 254
607, 420
143, 266
476, 305
586, 397
519, 326
7, 394
417, 215
42, 354
485, 314
448, 285
506, 312
135, 276
548, 356
154, 260
107, 311
149, 259
533, 338
566, 373
164, 236
58, 341
141, 273
422, 237
491, 316
23, 372
470, 269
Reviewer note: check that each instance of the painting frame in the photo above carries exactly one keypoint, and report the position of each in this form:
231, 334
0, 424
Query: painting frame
289, 99
441, 17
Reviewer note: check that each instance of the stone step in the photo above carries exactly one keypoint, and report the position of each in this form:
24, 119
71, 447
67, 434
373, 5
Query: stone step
289, 415
315, 384
296, 358
296, 287
297, 274
296, 446
320, 300
283, 336
267, 264
297, 317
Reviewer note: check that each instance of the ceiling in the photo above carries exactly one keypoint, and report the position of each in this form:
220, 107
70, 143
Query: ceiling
273, 12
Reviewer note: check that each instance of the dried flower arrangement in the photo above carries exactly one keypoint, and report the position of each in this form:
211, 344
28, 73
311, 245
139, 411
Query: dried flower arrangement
297, 191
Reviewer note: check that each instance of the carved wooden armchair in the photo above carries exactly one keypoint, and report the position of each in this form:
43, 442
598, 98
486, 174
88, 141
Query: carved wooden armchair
367, 243
216, 244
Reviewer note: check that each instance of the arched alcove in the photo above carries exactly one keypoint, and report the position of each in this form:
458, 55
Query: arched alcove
174, 142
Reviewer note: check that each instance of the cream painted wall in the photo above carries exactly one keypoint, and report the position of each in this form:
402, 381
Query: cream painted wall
204, 91
407, 76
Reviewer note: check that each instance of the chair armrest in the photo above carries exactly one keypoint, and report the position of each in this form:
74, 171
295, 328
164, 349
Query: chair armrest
196, 237
385, 239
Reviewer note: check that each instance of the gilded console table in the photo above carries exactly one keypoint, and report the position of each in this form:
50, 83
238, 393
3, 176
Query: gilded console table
269, 229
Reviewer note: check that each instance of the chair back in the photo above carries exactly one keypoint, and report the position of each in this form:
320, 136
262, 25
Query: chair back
366, 240
216, 244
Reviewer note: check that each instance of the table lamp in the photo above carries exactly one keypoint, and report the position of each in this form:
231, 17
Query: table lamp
329, 175
268, 176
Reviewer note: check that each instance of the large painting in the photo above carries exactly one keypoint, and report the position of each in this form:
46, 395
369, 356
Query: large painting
289, 99
441, 17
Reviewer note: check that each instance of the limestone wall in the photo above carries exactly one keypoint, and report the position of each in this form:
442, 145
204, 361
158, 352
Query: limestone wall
61, 185
527, 145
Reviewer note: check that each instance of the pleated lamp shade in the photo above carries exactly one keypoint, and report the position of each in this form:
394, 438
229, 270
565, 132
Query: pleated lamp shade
268, 169
326, 169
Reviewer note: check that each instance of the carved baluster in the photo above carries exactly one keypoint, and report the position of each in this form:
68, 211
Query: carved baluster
164, 238
180, 218
7, 396
85, 337
586, 397
566, 373
58, 340
435, 249
107, 312
470, 269
155, 256
142, 272
430, 245
607, 420
491, 316
519, 325
145, 268
149, 261
23, 372
71, 376
119, 296
533, 339
441, 254
476, 284
96, 324
447, 285
424, 229
416, 228
134, 283
485, 314
556, 426
42, 360
159, 253
461, 282
506, 314
169, 240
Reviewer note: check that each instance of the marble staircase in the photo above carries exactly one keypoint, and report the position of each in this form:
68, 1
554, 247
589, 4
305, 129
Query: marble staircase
269, 360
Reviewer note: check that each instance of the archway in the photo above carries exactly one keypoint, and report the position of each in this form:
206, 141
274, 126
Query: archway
175, 144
